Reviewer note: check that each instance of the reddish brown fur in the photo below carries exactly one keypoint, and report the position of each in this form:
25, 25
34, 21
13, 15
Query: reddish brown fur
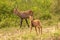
37, 24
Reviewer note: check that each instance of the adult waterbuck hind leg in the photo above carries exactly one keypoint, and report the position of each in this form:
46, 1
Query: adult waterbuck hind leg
27, 22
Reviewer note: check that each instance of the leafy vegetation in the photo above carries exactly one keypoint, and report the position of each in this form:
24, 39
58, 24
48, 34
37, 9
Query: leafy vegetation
43, 9
48, 11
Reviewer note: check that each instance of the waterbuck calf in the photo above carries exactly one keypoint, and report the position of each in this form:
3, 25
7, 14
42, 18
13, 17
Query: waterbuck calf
23, 15
37, 24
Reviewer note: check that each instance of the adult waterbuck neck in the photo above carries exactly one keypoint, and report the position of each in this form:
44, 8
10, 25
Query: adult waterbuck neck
23, 15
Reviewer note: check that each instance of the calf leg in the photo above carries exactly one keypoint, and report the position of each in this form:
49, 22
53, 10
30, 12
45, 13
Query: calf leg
30, 29
27, 22
39, 29
21, 22
36, 29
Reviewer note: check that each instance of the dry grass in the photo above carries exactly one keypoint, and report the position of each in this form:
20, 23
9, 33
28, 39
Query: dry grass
16, 33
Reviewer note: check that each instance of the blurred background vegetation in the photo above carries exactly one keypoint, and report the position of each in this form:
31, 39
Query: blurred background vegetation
48, 11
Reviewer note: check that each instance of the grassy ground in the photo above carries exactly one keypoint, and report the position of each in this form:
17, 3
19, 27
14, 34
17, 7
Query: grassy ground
48, 11
16, 33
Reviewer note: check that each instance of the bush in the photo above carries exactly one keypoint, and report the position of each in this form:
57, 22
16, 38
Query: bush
46, 16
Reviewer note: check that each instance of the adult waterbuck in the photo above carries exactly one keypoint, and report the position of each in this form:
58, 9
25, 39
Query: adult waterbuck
23, 15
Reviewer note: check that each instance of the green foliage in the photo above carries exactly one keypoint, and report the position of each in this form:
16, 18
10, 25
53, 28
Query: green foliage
42, 9
46, 16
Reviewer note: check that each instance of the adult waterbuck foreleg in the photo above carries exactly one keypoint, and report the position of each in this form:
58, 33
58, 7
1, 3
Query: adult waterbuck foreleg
21, 22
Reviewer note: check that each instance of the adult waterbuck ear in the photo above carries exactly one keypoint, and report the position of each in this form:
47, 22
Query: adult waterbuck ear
15, 10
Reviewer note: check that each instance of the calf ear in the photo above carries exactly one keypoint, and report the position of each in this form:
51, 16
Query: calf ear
31, 18
31, 13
